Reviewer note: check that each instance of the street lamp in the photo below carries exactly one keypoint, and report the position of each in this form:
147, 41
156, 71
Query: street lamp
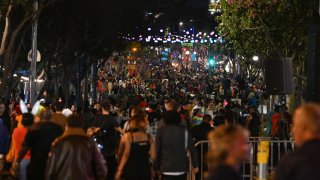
134, 49
255, 58
181, 23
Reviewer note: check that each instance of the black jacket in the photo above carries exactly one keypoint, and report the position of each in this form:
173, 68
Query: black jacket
200, 132
108, 136
38, 139
171, 149
75, 156
302, 164
224, 172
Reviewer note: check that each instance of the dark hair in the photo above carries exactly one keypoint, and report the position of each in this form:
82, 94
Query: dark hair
45, 115
106, 105
59, 106
171, 117
75, 121
136, 109
138, 122
207, 117
27, 119
175, 105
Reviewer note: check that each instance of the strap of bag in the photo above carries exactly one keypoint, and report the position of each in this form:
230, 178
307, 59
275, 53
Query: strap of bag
186, 139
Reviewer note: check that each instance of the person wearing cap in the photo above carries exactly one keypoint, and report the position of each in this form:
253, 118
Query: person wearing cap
304, 162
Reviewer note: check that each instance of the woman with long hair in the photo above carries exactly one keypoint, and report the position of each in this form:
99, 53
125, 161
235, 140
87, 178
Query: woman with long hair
229, 148
139, 151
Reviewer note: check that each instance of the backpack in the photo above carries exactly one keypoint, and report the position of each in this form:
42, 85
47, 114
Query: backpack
280, 126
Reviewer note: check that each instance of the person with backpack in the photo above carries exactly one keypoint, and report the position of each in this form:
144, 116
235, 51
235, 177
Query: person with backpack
280, 123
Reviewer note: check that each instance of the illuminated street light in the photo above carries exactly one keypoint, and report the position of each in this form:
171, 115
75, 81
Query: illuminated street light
255, 58
181, 23
134, 49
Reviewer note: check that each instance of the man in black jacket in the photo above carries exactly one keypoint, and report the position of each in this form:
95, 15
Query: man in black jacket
107, 131
74, 155
173, 142
304, 162
38, 140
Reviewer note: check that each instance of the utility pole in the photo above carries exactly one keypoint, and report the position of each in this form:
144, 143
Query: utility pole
33, 68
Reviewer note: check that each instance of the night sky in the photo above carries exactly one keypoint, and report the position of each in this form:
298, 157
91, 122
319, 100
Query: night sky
199, 4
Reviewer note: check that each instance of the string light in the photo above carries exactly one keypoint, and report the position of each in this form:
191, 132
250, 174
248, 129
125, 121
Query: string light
188, 35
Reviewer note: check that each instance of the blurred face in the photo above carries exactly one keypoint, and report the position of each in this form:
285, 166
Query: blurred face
251, 110
73, 108
298, 128
36, 119
166, 105
2, 109
240, 149
133, 112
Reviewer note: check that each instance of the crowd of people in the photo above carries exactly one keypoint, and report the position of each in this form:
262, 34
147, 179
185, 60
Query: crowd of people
141, 129
49, 144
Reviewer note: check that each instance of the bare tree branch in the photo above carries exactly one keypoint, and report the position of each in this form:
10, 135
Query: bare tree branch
6, 30
269, 39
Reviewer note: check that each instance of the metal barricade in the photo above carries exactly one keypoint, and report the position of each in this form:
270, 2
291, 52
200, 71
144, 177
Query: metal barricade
277, 149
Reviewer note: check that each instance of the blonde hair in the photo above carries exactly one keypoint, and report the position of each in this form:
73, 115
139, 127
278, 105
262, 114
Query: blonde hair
311, 116
221, 140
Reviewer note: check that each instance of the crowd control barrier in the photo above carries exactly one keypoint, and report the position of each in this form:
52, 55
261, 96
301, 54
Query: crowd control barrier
265, 153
